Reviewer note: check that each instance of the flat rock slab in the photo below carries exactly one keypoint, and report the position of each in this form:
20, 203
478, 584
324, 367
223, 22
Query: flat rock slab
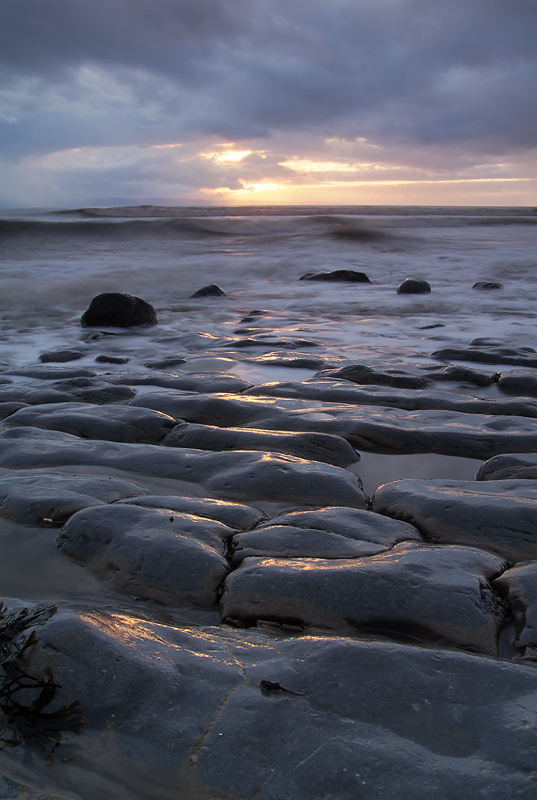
241, 475
389, 376
373, 428
173, 558
48, 373
521, 356
460, 374
430, 594
176, 713
518, 382
333, 391
266, 340
90, 391
323, 533
498, 516
234, 515
300, 360
186, 382
519, 588
510, 466
312, 446
116, 423
52, 499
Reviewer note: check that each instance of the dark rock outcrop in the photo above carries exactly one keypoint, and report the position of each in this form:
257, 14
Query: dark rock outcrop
212, 290
337, 276
414, 286
498, 516
431, 594
509, 466
113, 309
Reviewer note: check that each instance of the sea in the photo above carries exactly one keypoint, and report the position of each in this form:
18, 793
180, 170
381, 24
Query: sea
53, 262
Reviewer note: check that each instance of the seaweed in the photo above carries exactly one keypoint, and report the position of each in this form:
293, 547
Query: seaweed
24, 697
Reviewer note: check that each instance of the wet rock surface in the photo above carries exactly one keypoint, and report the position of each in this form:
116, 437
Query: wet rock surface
324, 533
112, 422
312, 446
113, 309
434, 594
373, 428
337, 276
438, 721
521, 356
51, 499
509, 466
499, 516
342, 646
518, 382
174, 558
414, 286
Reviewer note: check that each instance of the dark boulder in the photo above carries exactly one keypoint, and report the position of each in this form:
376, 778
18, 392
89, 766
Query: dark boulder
212, 290
414, 286
337, 276
113, 309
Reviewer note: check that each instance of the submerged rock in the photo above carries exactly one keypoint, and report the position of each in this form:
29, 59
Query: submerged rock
414, 286
390, 376
429, 594
61, 356
183, 381
113, 309
337, 276
212, 290
524, 383
462, 374
487, 285
498, 516
340, 391
521, 356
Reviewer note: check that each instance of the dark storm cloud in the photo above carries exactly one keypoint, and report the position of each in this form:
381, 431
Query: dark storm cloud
392, 70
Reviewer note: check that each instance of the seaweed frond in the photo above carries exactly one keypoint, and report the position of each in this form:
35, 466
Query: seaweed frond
24, 696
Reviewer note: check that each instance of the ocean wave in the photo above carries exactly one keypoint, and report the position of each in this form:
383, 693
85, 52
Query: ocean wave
358, 224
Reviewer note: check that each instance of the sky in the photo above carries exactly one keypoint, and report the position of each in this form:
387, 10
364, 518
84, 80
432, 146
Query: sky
256, 102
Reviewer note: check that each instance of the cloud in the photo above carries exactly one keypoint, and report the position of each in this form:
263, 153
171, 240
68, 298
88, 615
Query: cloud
405, 75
